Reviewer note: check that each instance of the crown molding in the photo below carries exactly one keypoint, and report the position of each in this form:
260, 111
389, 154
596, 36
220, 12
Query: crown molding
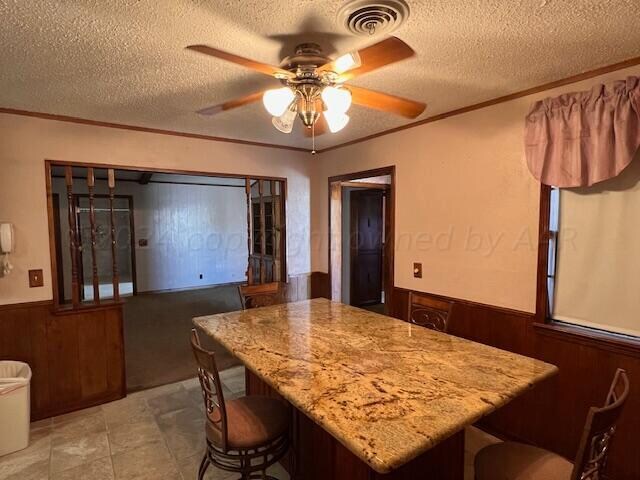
506, 98
158, 131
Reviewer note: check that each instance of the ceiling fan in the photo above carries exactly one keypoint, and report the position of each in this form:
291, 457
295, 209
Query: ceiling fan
313, 86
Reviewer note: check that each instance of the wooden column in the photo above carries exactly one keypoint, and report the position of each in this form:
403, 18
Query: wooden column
73, 237
114, 247
247, 187
263, 237
274, 263
282, 232
92, 220
335, 242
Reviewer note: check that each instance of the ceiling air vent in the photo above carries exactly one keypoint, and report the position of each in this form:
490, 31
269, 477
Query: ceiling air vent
371, 17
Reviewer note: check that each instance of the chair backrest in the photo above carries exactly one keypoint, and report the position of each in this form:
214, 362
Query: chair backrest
262, 295
211, 390
598, 431
429, 312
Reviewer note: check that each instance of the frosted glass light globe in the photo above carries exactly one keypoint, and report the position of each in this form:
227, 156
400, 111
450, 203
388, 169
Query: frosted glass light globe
336, 99
277, 101
336, 120
284, 122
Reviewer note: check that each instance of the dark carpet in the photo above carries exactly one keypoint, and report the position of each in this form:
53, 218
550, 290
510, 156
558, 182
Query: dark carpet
156, 333
377, 308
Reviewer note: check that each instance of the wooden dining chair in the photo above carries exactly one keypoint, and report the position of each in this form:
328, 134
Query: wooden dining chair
245, 435
517, 461
429, 312
261, 295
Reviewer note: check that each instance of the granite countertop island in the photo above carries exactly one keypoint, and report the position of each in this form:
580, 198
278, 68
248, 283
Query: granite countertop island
385, 389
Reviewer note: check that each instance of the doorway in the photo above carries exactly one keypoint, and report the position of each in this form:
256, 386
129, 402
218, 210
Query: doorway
361, 232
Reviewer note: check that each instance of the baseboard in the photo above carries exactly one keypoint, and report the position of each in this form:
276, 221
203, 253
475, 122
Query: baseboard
186, 289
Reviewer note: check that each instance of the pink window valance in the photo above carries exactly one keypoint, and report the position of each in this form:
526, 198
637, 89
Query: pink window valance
582, 138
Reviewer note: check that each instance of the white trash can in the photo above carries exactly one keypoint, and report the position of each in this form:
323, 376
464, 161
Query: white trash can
15, 409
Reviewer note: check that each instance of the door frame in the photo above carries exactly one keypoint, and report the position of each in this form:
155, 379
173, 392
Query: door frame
50, 163
335, 215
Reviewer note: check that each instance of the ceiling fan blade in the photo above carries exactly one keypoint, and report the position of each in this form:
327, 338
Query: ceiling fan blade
235, 103
385, 102
245, 62
386, 52
320, 127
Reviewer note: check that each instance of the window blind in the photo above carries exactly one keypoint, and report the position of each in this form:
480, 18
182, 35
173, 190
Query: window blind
598, 255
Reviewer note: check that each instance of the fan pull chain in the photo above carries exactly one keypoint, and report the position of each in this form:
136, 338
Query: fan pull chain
313, 138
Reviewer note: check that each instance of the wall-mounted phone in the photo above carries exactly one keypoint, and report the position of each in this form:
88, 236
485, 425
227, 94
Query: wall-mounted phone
6, 246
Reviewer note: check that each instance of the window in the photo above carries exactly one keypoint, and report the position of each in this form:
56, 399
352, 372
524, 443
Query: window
553, 244
593, 271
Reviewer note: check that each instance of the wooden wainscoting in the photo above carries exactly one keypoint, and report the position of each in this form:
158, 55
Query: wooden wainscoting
306, 286
320, 285
77, 359
551, 415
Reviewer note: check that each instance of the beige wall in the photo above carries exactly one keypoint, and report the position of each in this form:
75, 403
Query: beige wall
26, 142
467, 207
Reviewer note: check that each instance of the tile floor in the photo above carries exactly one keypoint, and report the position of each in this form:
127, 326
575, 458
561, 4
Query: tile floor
156, 434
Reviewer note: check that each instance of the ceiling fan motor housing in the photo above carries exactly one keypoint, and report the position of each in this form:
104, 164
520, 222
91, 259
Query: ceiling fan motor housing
306, 55
309, 104
307, 84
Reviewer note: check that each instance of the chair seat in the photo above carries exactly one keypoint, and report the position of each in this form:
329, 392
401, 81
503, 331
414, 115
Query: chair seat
252, 421
517, 461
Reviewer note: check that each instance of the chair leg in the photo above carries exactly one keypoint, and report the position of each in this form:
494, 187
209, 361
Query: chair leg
203, 466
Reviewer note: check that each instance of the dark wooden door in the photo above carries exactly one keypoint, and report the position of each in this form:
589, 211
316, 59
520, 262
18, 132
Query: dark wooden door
366, 246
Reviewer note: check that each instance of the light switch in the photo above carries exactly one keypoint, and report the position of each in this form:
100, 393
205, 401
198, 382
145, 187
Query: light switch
417, 270
36, 278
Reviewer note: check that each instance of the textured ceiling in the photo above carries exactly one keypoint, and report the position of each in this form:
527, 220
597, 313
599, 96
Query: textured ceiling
123, 61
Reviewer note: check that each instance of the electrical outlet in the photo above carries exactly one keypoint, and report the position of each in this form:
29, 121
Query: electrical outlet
35, 278
417, 270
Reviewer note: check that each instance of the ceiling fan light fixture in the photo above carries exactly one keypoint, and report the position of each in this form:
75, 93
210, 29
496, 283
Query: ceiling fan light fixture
284, 122
336, 121
336, 99
277, 100
347, 62
312, 83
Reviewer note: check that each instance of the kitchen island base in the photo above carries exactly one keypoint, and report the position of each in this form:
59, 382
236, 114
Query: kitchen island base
319, 456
